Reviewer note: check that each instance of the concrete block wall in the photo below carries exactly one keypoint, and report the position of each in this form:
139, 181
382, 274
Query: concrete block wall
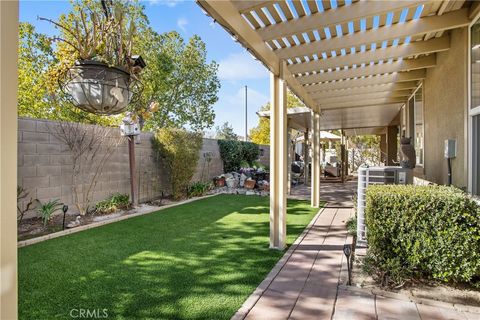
45, 166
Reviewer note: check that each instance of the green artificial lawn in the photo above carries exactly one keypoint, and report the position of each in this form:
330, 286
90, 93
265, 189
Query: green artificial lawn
199, 260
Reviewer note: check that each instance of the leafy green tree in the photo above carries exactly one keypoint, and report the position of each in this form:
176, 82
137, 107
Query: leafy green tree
225, 132
179, 86
366, 149
261, 133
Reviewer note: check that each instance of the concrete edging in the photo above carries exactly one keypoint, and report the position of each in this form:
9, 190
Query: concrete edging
65, 232
410, 298
263, 286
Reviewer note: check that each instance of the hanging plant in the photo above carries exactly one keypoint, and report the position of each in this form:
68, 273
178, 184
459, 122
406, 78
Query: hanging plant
99, 72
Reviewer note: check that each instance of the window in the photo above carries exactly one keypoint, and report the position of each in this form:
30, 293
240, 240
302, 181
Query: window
418, 128
475, 156
475, 65
415, 123
474, 109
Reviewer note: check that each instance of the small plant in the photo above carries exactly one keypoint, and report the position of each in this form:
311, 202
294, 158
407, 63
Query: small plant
198, 189
47, 209
244, 164
352, 225
113, 203
22, 194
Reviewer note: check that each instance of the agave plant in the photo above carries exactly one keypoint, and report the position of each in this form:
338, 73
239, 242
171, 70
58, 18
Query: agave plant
47, 209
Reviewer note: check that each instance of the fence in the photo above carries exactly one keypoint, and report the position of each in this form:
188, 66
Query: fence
45, 165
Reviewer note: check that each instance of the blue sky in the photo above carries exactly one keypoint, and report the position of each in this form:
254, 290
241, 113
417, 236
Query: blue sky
237, 67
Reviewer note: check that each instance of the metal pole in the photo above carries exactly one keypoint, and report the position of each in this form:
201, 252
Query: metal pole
133, 178
246, 113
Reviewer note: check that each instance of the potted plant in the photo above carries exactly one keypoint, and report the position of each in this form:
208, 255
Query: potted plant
219, 181
99, 71
250, 183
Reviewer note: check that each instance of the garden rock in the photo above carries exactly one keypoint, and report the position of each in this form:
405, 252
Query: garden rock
75, 223
243, 177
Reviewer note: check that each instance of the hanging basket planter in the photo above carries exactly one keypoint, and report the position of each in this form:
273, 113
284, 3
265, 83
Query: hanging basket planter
98, 88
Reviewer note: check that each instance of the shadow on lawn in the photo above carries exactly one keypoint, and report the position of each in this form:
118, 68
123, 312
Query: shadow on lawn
197, 261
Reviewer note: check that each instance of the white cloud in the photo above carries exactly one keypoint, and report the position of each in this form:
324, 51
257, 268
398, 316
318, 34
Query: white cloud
241, 66
182, 23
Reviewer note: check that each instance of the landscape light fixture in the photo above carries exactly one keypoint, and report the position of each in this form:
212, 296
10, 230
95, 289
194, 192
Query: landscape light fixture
64, 209
347, 251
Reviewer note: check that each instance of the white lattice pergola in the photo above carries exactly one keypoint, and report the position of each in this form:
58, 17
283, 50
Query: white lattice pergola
353, 63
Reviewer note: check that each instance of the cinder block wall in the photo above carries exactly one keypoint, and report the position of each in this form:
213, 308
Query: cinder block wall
45, 166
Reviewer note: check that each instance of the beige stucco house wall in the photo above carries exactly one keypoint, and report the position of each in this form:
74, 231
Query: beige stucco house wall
445, 111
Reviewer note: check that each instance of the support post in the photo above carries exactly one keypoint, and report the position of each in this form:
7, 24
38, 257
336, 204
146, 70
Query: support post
306, 158
289, 159
8, 158
392, 142
133, 176
278, 161
383, 148
316, 168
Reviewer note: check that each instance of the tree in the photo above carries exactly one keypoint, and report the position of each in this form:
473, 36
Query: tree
366, 150
225, 132
91, 147
179, 86
261, 133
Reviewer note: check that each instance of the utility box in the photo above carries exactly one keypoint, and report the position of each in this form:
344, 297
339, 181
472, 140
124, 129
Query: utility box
450, 148
376, 175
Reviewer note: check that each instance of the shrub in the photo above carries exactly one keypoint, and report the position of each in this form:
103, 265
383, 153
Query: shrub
180, 152
113, 203
47, 209
417, 232
198, 189
233, 153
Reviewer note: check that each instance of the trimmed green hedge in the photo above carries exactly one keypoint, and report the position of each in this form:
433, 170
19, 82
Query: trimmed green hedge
233, 152
422, 232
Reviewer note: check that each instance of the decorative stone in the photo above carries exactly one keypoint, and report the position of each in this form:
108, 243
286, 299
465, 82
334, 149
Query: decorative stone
75, 223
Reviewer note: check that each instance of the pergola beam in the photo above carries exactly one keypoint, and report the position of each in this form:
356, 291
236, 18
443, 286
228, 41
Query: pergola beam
451, 20
365, 96
382, 88
369, 103
396, 66
226, 14
340, 15
362, 103
249, 5
381, 79
395, 52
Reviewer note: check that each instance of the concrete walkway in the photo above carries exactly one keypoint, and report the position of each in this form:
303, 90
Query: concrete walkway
359, 304
303, 285
307, 283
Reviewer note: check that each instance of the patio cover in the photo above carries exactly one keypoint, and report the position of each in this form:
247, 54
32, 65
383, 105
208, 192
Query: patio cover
356, 61
299, 118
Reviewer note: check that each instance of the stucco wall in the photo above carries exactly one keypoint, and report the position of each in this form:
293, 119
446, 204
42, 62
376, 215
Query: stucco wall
45, 166
445, 94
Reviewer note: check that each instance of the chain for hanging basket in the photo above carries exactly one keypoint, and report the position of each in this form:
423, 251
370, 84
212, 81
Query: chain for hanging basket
98, 88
